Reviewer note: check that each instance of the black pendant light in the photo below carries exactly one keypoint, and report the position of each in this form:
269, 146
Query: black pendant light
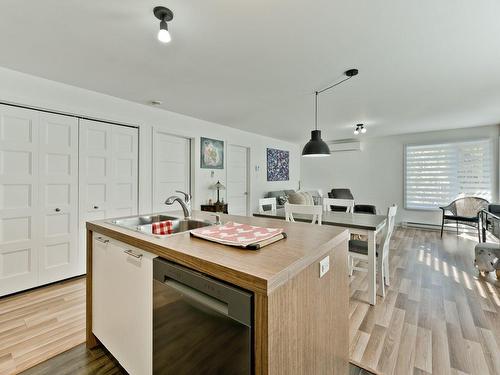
316, 147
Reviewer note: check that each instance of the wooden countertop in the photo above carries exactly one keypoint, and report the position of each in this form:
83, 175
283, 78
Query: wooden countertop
260, 271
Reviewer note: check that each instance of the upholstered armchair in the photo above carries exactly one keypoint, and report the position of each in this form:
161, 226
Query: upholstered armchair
346, 194
464, 211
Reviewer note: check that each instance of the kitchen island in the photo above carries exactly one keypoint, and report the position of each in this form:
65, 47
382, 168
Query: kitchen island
300, 320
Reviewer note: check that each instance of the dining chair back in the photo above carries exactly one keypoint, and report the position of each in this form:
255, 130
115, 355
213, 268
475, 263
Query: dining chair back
359, 250
329, 202
389, 229
263, 202
315, 210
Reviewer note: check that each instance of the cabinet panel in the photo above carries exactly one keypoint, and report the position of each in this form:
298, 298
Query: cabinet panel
122, 302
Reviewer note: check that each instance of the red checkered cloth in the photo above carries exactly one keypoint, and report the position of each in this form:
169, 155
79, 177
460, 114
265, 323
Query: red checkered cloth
163, 227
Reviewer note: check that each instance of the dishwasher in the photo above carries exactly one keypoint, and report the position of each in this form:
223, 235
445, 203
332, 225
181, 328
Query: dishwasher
200, 325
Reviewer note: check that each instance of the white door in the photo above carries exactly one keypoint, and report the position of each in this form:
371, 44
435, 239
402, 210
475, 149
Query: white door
237, 180
124, 161
58, 171
171, 168
108, 174
95, 171
19, 203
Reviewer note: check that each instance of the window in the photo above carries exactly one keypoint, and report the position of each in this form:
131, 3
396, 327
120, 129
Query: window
436, 174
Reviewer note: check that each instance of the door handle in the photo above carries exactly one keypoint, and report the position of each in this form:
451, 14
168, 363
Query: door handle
57, 209
96, 207
132, 253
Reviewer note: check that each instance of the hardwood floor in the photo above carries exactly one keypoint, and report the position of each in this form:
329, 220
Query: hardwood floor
40, 324
438, 317
81, 361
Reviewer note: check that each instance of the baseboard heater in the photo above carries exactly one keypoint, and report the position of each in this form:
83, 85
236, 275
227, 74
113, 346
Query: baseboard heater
447, 227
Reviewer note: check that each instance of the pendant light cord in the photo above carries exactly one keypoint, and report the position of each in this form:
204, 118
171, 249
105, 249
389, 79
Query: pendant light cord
316, 111
332, 86
316, 93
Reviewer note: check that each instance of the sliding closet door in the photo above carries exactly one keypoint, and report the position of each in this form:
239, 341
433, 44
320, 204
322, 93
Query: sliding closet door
171, 168
58, 163
19, 203
108, 174
95, 170
124, 186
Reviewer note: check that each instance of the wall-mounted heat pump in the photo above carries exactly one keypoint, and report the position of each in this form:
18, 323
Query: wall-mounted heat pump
347, 145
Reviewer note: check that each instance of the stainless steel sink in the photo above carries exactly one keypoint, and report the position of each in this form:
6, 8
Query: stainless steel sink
144, 224
137, 221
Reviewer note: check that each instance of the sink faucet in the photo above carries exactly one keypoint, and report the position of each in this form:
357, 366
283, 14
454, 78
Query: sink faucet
185, 204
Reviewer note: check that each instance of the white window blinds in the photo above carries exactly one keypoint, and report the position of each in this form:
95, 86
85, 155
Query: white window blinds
436, 174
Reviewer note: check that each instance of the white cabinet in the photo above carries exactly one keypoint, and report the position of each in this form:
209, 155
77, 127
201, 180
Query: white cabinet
108, 174
122, 306
38, 198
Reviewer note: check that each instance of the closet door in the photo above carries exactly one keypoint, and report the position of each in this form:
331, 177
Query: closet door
108, 174
124, 161
58, 162
19, 203
95, 170
171, 168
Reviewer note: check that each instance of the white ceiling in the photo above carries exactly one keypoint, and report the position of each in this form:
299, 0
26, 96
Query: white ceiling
254, 65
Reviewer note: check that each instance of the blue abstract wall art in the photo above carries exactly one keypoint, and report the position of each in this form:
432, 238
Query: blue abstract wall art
278, 165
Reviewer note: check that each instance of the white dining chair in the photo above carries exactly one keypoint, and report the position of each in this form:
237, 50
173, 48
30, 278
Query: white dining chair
267, 202
359, 250
315, 210
328, 202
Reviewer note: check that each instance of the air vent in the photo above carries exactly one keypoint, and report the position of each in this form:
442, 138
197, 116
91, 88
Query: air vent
341, 146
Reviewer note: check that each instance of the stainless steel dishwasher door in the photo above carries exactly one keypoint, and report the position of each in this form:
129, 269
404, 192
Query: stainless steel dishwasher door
200, 325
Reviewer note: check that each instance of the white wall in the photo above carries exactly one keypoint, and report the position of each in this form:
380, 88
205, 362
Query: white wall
375, 174
23, 89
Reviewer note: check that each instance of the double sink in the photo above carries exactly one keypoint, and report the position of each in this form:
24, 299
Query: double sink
144, 224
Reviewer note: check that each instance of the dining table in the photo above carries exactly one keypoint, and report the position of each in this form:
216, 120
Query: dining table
357, 223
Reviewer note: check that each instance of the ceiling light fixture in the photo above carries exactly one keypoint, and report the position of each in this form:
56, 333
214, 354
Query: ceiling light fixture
360, 128
164, 15
316, 147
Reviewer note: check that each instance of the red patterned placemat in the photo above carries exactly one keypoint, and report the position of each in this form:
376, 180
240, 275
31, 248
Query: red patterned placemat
236, 234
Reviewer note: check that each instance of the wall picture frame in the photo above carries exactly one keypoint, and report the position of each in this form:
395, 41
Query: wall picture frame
211, 153
278, 165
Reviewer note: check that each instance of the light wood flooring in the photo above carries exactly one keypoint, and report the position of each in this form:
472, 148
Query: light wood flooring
438, 317
39, 324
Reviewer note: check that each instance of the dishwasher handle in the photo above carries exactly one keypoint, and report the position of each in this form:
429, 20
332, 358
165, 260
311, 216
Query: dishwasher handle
197, 296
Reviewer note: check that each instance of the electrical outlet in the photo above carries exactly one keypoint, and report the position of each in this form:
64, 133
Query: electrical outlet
324, 266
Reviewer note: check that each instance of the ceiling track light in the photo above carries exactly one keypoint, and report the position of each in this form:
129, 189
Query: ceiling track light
316, 147
164, 15
360, 128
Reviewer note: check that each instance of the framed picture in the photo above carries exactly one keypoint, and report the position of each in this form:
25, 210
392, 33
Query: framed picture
278, 165
211, 153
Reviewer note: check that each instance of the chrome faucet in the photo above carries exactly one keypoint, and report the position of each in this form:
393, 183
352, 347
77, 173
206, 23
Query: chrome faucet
185, 204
